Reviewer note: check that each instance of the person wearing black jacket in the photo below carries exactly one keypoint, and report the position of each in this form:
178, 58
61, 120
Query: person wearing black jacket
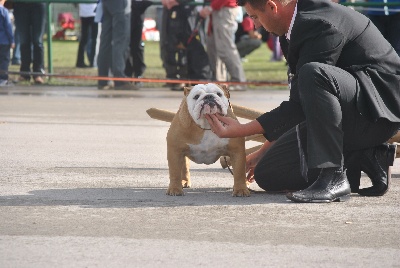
344, 104
135, 65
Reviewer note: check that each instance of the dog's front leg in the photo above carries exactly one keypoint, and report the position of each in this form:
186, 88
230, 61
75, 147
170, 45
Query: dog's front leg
238, 160
176, 163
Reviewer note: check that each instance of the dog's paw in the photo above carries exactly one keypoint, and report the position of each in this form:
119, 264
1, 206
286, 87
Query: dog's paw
241, 192
175, 191
186, 184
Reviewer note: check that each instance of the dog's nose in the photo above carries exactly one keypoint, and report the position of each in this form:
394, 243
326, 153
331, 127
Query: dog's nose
208, 97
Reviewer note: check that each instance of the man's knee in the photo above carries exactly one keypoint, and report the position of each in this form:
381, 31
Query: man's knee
309, 71
312, 78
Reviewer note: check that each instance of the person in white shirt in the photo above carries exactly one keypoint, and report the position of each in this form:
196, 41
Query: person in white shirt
89, 29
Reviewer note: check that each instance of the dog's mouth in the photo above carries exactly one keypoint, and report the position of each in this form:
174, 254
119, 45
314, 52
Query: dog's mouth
210, 107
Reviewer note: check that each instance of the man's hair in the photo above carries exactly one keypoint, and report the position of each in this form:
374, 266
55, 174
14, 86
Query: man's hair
260, 4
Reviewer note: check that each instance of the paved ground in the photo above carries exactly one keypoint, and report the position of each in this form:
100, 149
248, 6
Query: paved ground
83, 180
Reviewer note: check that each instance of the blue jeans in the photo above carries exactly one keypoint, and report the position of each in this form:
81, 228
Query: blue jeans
30, 19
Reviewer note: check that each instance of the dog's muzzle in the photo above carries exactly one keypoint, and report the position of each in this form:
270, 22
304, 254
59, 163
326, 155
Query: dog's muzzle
209, 100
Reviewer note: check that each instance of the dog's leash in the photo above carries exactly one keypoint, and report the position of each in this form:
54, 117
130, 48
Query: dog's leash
229, 168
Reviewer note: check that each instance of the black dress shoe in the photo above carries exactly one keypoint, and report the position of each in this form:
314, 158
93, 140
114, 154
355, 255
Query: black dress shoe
376, 163
330, 186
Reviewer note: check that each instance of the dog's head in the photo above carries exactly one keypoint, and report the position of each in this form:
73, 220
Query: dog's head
205, 99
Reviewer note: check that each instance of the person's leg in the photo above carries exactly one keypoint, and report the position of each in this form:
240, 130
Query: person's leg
16, 56
246, 45
284, 167
198, 64
137, 45
4, 61
224, 27
80, 61
38, 26
104, 58
93, 37
23, 23
328, 96
120, 42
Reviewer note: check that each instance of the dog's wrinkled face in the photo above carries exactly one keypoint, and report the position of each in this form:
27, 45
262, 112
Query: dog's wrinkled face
205, 99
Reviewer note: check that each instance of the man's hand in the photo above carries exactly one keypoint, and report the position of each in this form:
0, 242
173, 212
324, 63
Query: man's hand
253, 159
224, 127
251, 163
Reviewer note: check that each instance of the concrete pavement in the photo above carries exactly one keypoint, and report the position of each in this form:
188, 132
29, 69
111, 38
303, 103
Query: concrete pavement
83, 180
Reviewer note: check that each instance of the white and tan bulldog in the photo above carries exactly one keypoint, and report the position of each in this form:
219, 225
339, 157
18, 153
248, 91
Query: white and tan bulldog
190, 137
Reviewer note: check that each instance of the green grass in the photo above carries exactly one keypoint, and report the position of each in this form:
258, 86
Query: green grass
257, 68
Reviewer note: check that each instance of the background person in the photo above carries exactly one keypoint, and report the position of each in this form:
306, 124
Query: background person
183, 55
387, 19
89, 30
114, 41
30, 20
247, 38
135, 65
6, 43
221, 40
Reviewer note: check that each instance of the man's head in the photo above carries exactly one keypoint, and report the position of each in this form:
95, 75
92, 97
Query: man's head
273, 15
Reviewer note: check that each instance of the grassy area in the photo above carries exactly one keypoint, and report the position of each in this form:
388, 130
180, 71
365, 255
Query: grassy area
257, 68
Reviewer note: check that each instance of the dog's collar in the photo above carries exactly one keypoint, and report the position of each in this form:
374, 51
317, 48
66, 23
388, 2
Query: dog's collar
202, 128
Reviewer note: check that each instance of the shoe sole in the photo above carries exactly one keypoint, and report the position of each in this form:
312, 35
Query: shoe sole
343, 198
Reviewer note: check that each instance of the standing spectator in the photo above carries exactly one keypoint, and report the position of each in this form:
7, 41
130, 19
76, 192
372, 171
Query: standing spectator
89, 30
135, 65
30, 19
221, 39
182, 51
247, 38
114, 41
6, 43
387, 20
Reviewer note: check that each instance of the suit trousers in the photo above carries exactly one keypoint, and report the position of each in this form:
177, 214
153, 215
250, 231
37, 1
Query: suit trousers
332, 130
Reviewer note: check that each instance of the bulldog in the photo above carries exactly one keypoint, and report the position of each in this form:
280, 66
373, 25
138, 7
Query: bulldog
190, 137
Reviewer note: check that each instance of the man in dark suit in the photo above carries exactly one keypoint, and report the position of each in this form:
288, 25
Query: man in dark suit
344, 104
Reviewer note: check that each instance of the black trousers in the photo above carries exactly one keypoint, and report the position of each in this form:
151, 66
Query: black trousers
333, 129
135, 65
88, 25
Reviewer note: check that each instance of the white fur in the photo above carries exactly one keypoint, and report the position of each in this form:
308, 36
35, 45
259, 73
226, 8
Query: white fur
195, 105
210, 148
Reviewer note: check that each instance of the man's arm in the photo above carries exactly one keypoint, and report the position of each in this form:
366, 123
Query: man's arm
226, 127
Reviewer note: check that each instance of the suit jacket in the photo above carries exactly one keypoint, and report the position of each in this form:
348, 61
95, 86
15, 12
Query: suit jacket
330, 33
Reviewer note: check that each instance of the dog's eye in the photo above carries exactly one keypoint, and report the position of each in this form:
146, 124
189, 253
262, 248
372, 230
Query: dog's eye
219, 94
196, 97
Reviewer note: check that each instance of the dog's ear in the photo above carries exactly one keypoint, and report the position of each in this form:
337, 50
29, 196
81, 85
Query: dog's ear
186, 90
225, 89
184, 116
